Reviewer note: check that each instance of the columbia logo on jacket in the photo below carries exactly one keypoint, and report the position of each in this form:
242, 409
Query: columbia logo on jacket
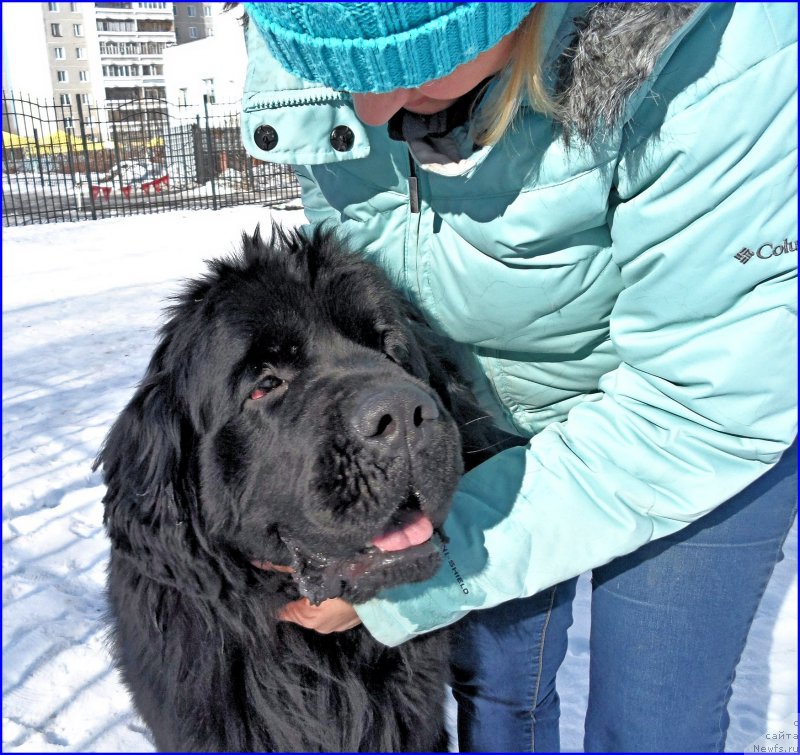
765, 251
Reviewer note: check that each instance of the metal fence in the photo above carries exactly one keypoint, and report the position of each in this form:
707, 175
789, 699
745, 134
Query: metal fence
144, 155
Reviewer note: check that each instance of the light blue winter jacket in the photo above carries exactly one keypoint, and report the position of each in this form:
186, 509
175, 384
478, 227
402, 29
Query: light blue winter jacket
630, 304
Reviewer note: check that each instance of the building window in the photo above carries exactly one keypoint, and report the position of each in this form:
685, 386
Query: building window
183, 96
77, 30
73, 7
80, 53
62, 76
55, 30
193, 32
68, 124
109, 25
126, 70
209, 89
52, 7
191, 11
85, 99
59, 53
64, 98
83, 76
206, 10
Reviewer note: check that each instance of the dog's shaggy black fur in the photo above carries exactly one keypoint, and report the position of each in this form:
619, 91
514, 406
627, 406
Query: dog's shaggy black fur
294, 411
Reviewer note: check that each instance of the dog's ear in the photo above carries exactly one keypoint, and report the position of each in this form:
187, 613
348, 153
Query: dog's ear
152, 513
141, 457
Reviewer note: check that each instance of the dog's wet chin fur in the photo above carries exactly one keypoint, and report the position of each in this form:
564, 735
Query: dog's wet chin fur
296, 433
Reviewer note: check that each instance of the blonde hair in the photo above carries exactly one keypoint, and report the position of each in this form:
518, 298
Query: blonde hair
521, 78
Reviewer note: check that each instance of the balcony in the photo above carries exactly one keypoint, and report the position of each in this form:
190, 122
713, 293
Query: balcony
132, 8
130, 49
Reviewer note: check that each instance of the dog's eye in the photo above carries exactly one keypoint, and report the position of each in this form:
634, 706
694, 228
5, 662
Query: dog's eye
268, 383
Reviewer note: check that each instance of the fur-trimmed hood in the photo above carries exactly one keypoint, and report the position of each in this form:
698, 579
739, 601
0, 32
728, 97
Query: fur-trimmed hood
614, 49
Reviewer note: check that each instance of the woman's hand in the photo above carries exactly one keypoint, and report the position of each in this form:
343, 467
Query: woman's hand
334, 615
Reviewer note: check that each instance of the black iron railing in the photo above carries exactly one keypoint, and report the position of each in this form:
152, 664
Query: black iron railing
64, 163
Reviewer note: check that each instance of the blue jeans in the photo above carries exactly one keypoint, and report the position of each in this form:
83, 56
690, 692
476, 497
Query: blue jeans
669, 624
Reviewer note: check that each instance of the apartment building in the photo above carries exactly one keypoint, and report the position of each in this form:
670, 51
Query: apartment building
69, 40
194, 21
131, 39
212, 70
93, 52
47, 58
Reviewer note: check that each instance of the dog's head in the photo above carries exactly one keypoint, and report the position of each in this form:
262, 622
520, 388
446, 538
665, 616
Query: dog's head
290, 416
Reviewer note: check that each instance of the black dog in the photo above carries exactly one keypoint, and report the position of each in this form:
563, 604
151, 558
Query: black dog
295, 413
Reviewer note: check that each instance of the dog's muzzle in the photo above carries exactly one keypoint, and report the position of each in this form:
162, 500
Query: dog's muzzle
404, 554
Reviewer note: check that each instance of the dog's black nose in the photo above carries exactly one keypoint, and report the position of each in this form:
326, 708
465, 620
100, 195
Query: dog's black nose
393, 416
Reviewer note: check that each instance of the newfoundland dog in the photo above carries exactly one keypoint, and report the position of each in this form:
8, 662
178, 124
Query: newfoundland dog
296, 413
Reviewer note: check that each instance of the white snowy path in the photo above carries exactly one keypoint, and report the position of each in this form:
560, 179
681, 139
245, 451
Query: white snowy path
81, 303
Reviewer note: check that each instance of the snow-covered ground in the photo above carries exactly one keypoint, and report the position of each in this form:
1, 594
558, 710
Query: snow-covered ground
81, 303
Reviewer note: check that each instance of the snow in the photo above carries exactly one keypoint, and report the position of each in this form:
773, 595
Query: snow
81, 303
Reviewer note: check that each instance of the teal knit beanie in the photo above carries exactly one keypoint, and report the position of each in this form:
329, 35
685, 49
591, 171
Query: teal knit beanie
377, 46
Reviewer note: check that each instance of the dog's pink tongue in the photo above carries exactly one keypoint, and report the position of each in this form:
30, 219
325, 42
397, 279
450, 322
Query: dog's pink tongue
414, 532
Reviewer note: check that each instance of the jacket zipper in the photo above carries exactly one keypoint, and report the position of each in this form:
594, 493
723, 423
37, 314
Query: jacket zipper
413, 191
411, 251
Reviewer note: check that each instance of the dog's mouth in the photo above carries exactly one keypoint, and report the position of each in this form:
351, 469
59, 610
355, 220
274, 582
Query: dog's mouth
404, 551
408, 528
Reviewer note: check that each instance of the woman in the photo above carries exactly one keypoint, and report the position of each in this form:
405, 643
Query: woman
600, 200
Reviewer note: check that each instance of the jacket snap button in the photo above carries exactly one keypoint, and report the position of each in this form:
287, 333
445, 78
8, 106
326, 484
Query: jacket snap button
342, 139
265, 138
